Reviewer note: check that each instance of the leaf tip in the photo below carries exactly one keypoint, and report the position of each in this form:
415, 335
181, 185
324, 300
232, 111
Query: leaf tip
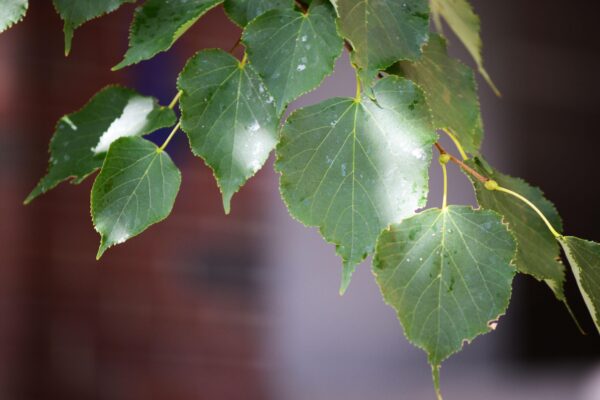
347, 272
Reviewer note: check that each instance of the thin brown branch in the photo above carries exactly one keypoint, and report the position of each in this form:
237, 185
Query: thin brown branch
461, 164
301, 6
235, 46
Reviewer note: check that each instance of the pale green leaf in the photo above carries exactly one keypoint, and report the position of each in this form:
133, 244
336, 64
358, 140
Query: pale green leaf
75, 13
448, 275
157, 24
243, 11
353, 167
229, 117
11, 12
135, 189
384, 31
81, 139
451, 92
293, 52
466, 25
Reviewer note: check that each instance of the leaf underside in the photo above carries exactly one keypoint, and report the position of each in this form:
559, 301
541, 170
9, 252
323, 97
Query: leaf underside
11, 12
243, 11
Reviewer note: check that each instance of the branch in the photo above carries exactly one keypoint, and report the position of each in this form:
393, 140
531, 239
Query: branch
464, 166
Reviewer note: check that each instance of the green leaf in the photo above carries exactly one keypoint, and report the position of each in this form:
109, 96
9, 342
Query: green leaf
293, 52
229, 118
584, 257
243, 11
11, 12
353, 167
384, 31
158, 24
451, 92
76, 12
466, 25
447, 273
135, 189
538, 253
81, 139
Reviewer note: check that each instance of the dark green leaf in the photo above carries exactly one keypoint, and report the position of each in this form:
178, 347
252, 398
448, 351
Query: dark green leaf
293, 52
135, 189
384, 31
353, 167
447, 273
243, 11
450, 90
584, 257
76, 12
158, 24
81, 139
11, 12
229, 117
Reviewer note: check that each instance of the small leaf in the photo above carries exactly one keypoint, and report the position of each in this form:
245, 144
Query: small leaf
466, 25
135, 189
293, 52
447, 273
584, 257
229, 118
11, 12
353, 167
451, 92
538, 253
243, 11
82, 138
76, 12
158, 24
384, 31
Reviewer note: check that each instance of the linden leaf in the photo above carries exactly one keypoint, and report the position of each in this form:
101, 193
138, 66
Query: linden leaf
448, 275
243, 11
157, 24
353, 167
293, 52
451, 92
11, 12
466, 25
384, 31
229, 118
81, 139
584, 257
76, 12
135, 189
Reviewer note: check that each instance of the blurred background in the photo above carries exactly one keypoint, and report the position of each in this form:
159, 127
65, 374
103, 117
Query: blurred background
203, 306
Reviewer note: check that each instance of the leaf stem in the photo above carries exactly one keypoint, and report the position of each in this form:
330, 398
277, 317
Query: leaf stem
358, 89
462, 152
175, 99
464, 166
444, 158
161, 148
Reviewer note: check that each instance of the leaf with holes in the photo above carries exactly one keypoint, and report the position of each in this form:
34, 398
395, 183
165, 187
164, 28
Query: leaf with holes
229, 118
11, 12
384, 31
157, 24
448, 275
451, 92
243, 11
584, 257
353, 167
293, 52
77, 12
135, 189
81, 139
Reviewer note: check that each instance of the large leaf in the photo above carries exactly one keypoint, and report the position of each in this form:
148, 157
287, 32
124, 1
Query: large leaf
353, 167
447, 273
584, 257
244, 11
76, 12
451, 92
158, 24
466, 25
135, 189
228, 116
293, 52
384, 31
11, 12
538, 253
82, 138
